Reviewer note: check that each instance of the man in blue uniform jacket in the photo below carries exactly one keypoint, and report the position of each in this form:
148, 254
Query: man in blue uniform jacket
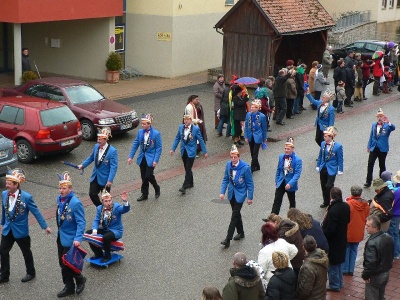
325, 113
255, 132
149, 141
16, 205
329, 163
287, 176
71, 227
239, 182
105, 158
108, 222
378, 145
188, 135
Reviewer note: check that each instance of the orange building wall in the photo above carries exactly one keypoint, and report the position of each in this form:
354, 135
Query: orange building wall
30, 11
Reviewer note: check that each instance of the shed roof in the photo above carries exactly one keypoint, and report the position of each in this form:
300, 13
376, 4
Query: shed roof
290, 16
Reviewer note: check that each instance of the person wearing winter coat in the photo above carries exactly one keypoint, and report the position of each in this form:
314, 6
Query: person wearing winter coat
311, 77
282, 285
224, 112
340, 96
291, 94
319, 82
218, 89
244, 283
359, 211
311, 282
382, 204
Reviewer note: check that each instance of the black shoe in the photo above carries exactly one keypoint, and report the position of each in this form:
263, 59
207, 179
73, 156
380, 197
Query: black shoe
219, 134
238, 237
182, 190
280, 123
66, 292
4, 279
158, 195
323, 205
141, 198
348, 105
367, 185
226, 243
365, 98
240, 143
291, 117
80, 286
28, 277
105, 259
269, 130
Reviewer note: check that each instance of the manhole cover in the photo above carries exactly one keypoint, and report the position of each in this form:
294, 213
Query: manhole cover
218, 201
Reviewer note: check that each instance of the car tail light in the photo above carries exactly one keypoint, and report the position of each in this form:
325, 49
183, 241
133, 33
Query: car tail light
43, 134
78, 126
15, 147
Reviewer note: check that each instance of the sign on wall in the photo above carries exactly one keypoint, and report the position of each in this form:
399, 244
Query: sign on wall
119, 38
164, 36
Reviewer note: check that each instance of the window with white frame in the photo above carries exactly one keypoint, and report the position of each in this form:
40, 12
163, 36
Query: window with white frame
229, 2
391, 3
384, 4
398, 3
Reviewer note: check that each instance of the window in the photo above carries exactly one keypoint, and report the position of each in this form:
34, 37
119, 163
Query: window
38, 90
384, 3
391, 3
54, 93
12, 115
229, 2
55, 116
398, 3
83, 94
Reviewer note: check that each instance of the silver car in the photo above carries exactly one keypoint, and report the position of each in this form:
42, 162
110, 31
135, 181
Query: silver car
8, 155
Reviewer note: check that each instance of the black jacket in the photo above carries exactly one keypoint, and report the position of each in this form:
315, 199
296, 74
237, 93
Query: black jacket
224, 110
339, 74
378, 255
280, 88
240, 109
282, 285
385, 199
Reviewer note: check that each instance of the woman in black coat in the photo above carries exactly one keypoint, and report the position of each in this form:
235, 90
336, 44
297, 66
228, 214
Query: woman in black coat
239, 113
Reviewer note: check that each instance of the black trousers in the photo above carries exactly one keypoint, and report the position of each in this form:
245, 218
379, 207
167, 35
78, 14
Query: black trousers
281, 107
327, 182
147, 175
188, 164
349, 93
254, 150
236, 219
7, 242
108, 237
279, 193
68, 275
319, 136
94, 189
289, 107
373, 155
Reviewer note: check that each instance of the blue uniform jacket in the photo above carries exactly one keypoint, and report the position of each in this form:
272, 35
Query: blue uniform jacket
333, 160
105, 170
242, 185
73, 226
257, 131
327, 118
19, 226
116, 219
380, 140
191, 144
152, 151
293, 174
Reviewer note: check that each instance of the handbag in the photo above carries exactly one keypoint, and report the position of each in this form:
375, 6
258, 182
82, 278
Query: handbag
74, 258
335, 103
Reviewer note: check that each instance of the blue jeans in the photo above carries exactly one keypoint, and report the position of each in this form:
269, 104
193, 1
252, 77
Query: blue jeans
339, 107
222, 120
296, 105
394, 233
335, 277
350, 260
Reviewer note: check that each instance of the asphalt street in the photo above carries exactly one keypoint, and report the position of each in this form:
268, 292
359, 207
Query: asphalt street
173, 244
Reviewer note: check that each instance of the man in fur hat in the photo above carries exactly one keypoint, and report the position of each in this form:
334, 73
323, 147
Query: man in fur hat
105, 158
329, 163
239, 182
378, 144
150, 143
16, 205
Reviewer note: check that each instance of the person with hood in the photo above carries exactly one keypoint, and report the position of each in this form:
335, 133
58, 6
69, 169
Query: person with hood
382, 204
359, 211
244, 283
319, 82
282, 285
289, 231
312, 277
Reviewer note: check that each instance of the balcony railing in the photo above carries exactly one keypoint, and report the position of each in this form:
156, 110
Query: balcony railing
352, 19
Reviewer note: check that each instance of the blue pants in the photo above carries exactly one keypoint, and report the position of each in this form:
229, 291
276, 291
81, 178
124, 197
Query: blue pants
222, 120
350, 260
394, 233
335, 277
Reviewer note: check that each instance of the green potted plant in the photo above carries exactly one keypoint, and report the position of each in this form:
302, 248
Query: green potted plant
113, 67
28, 76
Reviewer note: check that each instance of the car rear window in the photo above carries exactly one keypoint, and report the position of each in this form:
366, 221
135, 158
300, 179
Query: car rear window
55, 116
83, 94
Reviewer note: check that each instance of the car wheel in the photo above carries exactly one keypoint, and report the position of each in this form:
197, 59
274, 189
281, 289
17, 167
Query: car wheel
25, 151
88, 130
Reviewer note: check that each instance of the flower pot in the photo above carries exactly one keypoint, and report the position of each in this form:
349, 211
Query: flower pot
112, 76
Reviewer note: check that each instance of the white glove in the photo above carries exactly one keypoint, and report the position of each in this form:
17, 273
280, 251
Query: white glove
340, 172
317, 168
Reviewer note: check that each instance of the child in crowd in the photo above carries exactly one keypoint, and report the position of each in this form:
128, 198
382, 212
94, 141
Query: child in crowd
358, 90
387, 73
341, 95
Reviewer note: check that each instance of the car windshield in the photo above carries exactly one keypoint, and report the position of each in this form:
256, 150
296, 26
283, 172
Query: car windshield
55, 116
83, 94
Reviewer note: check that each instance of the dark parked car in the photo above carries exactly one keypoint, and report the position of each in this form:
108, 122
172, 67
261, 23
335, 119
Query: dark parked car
38, 126
8, 155
365, 47
90, 107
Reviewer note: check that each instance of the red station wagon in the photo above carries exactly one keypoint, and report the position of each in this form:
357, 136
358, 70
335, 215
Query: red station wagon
91, 108
38, 126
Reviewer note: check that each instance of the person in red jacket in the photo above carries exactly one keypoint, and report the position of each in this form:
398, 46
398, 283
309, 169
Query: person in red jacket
359, 211
378, 73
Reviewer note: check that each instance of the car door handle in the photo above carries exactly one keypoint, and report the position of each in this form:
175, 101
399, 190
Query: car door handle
15, 129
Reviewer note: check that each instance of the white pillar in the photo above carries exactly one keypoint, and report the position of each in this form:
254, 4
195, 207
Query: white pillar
17, 54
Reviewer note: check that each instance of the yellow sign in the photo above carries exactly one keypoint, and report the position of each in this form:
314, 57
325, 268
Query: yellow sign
164, 36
